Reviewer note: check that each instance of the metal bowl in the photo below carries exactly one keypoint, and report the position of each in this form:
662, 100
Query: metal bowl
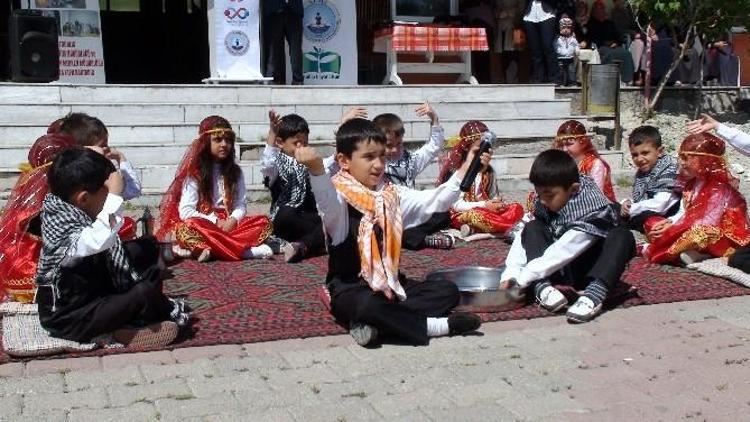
479, 287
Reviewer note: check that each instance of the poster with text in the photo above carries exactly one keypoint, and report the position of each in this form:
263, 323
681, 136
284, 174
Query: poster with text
329, 43
234, 39
79, 38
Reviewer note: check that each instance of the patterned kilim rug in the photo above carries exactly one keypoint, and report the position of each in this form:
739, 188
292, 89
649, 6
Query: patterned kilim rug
255, 301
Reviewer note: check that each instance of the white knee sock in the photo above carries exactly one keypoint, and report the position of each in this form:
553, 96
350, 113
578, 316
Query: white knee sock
437, 327
261, 251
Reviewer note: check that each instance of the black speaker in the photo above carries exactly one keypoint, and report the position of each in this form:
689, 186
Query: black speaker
34, 53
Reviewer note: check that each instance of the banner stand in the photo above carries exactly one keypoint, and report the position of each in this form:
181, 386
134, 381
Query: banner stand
234, 42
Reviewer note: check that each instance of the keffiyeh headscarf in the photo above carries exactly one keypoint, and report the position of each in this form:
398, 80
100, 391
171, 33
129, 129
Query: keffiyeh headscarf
588, 211
379, 266
661, 178
62, 224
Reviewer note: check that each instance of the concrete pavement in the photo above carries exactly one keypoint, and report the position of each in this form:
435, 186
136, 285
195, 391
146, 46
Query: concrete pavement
680, 361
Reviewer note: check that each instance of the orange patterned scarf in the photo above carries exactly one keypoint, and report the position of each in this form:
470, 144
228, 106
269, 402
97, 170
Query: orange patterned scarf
384, 209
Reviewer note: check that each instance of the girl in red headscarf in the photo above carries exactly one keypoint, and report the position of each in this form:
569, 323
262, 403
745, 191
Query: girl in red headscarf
20, 226
713, 215
572, 138
205, 205
480, 209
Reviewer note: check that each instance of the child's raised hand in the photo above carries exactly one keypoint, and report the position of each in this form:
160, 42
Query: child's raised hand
426, 110
353, 113
114, 183
704, 124
274, 120
114, 154
308, 157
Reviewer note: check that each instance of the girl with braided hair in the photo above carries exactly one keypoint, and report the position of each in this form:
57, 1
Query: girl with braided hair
480, 209
204, 206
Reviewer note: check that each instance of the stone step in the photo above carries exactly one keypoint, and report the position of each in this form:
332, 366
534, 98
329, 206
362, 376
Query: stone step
12, 134
511, 169
12, 93
150, 153
136, 114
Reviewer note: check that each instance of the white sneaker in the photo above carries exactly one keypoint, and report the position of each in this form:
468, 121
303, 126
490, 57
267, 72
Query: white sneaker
583, 310
551, 299
205, 255
180, 252
261, 252
363, 334
692, 256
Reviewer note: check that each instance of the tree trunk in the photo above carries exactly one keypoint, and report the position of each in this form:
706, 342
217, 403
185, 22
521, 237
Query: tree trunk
649, 110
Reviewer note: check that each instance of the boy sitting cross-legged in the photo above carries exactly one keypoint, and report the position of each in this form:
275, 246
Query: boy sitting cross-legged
575, 238
654, 186
364, 218
295, 217
89, 282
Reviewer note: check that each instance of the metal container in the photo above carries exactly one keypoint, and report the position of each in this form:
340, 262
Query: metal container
604, 81
479, 287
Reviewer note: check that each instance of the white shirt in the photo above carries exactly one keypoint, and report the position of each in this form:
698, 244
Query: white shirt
660, 203
537, 13
268, 163
132, 184
188, 207
559, 254
100, 235
736, 138
463, 205
566, 47
416, 206
419, 161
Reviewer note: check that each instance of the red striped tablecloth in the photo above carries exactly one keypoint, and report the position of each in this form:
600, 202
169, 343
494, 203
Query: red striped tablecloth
432, 38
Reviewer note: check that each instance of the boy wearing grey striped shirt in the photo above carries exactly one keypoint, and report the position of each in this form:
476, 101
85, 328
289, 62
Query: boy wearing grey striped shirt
575, 238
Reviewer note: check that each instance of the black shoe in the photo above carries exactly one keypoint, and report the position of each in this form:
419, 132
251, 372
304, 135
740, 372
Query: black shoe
462, 323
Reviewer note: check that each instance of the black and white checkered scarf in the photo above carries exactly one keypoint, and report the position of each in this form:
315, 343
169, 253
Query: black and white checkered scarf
292, 186
62, 224
588, 211
401, 171
661, 178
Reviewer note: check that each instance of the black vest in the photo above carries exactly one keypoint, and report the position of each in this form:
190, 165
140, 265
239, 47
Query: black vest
343, 259
78, 286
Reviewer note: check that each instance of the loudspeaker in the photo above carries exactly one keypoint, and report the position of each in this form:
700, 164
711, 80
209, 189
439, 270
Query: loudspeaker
34, 53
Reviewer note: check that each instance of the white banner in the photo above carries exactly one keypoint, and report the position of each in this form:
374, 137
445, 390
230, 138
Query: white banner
79, 37
234, 39
329, 43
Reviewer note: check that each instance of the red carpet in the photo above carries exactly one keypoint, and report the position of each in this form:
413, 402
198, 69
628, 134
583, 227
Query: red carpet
256, 301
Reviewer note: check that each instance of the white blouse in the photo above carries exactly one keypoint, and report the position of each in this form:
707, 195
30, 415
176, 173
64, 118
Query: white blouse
188, 207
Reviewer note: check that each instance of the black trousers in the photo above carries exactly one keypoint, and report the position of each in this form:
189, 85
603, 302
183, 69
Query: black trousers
405, 320
143, 304
741, 259
413, 238
278, 27
567, 72
541, 39
295, 225
606, 259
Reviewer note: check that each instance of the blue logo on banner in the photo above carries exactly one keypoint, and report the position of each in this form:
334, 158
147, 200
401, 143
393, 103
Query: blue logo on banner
321, 22
237, 43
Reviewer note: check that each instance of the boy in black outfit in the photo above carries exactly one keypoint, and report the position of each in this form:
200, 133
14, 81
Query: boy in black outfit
89, 282
295, 217
654, 187
364, 217
575, 239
